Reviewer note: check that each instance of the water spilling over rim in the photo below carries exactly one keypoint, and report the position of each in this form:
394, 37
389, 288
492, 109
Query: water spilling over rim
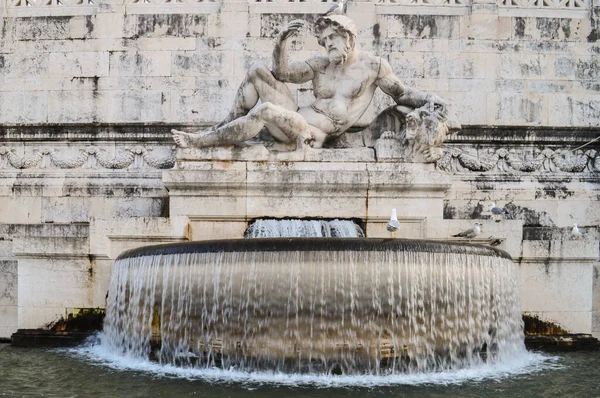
313, 245
523, 364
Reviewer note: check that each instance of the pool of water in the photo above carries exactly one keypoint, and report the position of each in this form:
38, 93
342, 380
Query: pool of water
88, 372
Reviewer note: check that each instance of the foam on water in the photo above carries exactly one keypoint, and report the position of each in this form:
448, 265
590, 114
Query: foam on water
526, 363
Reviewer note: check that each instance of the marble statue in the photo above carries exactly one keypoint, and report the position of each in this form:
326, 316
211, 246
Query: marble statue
344, 83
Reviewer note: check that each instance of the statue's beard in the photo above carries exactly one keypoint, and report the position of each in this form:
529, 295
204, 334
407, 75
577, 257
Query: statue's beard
337, 56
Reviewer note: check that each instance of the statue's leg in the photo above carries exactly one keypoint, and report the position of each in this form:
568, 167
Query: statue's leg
285, 125
259, 83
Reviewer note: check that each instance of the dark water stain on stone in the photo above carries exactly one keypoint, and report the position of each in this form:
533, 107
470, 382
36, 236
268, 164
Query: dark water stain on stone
449, 211
89, 26
588, 70
553, 191
84, 320
520, 27
271, 24
376, 34
177, 25
550, 28
531, 218
477, 212
595, 22
535, 326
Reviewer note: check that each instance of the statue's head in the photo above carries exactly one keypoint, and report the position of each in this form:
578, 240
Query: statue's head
337, 34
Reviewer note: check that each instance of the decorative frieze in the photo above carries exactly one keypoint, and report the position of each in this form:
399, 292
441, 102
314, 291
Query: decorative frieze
520, 160
521, 150
545, 4
441, 7
460, 3
88, 157
50, 3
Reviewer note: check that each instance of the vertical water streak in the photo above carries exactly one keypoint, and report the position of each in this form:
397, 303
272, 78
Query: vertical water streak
294, 228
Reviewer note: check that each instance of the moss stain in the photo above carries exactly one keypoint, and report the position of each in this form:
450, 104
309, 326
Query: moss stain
80, 320
536, 326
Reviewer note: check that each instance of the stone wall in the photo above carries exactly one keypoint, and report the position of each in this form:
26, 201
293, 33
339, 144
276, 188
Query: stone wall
88, 93
521, 63
72, 198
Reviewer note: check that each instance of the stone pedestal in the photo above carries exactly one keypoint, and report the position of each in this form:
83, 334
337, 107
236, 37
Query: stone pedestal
220, 190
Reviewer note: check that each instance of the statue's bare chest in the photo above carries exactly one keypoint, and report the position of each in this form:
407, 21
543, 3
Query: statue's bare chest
350, 84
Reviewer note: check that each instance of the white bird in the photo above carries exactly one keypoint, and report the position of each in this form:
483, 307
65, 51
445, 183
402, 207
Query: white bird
393, 225
338, 8
497, 211
470, 233
575, 232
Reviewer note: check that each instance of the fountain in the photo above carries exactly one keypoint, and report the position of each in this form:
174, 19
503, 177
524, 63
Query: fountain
315, 305
301, 296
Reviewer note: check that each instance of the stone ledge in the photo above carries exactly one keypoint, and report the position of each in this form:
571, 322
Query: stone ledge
70, 230
161, 132
489, 135
562, 342
259, 153
47, 338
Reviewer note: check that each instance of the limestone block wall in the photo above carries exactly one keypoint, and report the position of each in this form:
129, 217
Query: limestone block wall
72, 198
8, 289
88, 93
509, 63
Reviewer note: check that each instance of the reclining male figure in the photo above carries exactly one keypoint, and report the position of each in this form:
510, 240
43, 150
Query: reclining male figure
344, 83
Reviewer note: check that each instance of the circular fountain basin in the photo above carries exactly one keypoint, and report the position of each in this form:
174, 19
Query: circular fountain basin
322, 305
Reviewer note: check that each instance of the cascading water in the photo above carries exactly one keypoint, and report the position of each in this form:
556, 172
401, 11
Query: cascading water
292, 228
355, 306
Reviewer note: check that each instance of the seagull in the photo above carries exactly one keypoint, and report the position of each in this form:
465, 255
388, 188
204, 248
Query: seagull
495, 241
575, 232
338, 8
470, 233
496, 211
393, 225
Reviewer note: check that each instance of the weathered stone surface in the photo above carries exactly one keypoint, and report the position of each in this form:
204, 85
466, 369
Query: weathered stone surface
8, 293
140, 63
44, 28
78, 64
126, 67
164, 25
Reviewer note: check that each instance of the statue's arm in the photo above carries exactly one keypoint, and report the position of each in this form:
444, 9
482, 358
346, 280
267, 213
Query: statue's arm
283, 70
403, 95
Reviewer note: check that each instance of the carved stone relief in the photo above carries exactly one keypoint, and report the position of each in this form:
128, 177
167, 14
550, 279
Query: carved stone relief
88, 157
520, 160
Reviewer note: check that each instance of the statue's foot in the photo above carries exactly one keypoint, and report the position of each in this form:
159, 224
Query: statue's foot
182, 139
304, 141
